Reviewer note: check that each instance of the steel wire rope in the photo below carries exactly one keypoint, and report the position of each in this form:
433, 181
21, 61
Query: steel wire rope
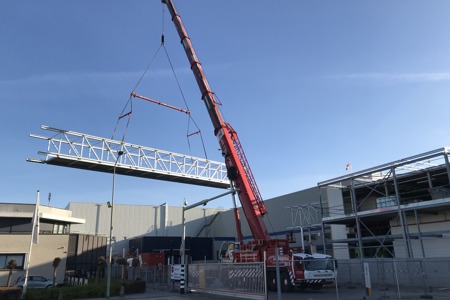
130, 99
122, 115
187, 107
199, 132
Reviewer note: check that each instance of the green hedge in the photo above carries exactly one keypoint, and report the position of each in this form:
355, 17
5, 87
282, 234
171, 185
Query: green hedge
9, 293
91, 290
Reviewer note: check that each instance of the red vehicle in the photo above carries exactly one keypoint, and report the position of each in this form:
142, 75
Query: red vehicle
292, 273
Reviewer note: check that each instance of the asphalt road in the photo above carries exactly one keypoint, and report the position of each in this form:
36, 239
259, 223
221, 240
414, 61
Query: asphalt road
329, 293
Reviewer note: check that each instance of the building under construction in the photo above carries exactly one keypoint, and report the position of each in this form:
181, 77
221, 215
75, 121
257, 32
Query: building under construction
399, 209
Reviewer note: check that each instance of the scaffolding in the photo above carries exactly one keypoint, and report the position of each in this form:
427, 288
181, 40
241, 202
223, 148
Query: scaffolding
384, 208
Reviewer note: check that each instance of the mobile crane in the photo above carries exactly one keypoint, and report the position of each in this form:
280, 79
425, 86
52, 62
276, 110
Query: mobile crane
296, 269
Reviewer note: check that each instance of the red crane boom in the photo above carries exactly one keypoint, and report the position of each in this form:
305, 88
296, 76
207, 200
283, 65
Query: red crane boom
284, 264
239, 171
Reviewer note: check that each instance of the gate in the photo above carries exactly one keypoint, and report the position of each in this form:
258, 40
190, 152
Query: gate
246, 280
157, 277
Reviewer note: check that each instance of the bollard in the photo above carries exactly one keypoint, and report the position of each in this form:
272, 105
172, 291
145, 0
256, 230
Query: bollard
182, 279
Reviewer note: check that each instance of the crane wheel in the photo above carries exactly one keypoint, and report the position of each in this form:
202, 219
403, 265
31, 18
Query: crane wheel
271, 281
286, 285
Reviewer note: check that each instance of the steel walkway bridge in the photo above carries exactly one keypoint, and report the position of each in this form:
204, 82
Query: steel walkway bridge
77, 150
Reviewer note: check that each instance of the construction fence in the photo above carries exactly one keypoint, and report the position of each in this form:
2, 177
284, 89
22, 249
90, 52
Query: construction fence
158, 277
229, 279
396, 277
387, 278
243, 279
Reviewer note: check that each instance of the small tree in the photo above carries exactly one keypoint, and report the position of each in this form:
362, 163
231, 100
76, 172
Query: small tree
122, 262
101, 264
12, 264
56, 262
135, 263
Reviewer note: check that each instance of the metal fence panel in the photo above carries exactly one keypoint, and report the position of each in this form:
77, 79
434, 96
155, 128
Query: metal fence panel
157, 277
399, 277
243, 279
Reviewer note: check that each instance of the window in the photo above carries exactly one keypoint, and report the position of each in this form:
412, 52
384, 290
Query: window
15, 225
60, 228
312, 264
5, 258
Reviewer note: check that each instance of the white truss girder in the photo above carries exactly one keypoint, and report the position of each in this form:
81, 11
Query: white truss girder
305, 215
78, 150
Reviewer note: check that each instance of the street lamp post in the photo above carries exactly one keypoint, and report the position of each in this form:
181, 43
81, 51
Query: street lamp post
183, 236
111, 206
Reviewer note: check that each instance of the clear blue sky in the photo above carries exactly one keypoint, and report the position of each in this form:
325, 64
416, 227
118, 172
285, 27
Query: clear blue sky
308, 85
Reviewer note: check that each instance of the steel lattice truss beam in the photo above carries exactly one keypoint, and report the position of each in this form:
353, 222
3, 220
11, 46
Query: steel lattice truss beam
305, 215
77, 150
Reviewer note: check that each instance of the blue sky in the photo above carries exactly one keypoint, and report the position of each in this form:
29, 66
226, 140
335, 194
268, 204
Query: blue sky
308, 85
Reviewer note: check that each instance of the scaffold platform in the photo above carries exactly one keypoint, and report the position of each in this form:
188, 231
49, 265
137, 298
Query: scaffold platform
77, 150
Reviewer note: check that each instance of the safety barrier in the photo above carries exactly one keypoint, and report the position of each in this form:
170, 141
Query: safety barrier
246, 280
236, 280
399, 277
157, 277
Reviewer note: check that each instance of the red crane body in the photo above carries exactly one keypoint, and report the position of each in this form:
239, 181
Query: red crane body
239, 171
292, 266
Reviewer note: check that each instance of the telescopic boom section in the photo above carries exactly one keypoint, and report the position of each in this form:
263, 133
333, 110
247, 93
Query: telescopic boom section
238, 169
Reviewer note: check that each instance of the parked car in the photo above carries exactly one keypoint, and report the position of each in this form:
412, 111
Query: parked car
36, 282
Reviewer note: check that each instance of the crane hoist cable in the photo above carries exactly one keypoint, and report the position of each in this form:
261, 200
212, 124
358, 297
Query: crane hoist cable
130, 100
199, 132
123, 115
133, 94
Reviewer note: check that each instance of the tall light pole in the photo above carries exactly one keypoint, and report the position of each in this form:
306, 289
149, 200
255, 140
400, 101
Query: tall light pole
183, 236
111, 206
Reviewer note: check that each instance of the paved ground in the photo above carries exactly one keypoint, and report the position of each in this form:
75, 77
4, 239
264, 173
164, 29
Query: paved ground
330, 293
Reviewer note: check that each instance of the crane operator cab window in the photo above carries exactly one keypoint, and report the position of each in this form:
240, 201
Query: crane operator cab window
298, 263
228, 249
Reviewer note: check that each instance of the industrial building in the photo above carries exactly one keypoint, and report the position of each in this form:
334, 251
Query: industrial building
216, 223
15, 238
396, 210
132, 222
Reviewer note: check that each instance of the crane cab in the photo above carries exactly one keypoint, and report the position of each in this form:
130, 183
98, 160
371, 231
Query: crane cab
227, 251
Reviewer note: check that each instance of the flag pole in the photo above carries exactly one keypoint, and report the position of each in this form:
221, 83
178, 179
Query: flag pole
33, 240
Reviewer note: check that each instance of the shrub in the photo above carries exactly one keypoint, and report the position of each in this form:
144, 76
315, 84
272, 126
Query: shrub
8, 293
92, 290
